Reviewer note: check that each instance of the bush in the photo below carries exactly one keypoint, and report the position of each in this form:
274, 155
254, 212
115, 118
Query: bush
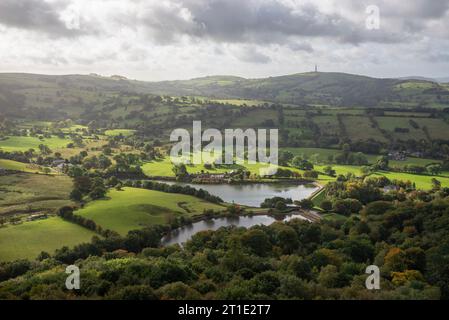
140, 292
378, 207
305, 204
326, 205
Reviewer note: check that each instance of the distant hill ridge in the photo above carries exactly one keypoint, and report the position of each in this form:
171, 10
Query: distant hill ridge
329, 88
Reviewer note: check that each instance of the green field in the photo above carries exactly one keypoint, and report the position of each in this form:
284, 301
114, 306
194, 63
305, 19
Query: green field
391, 123
323, 154
255, 118
339, 169
327, 124
163, 168
360, 128
28, 239
33, 193
134, 208
438, 129
117, 132
17, 166
422, 181
318, 198
74, 128
19, 143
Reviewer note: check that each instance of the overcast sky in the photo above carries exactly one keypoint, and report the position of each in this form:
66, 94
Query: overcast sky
181, 39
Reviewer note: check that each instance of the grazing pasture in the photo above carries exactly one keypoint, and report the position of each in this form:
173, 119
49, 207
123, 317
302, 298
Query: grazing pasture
117, 132
361, 128
134, 208
28, 239
18, 166
438, 129
322, 155
23, 143
25, 193
256, 118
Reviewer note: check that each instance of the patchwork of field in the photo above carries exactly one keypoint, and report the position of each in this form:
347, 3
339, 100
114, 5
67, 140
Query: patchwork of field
322, 155
361, 128
438, 129
92, 146
256, 118
328, 124
344, 111
134, 208
28, 239
163, 168
19, 143
391, 123
33, 193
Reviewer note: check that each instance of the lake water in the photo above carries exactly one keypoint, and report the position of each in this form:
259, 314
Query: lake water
253, 194
182, 235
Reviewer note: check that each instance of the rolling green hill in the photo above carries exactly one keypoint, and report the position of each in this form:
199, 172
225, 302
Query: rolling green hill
133, 208
74, 95
314, 88
337, 89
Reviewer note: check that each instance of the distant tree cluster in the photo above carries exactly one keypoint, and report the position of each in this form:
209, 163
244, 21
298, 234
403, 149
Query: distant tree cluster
278, 203
85, 185
175, 188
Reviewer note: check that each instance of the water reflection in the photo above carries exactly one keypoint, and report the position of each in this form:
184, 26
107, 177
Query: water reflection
182, 235
255, 193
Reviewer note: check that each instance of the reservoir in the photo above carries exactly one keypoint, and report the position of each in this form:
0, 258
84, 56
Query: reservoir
253, 194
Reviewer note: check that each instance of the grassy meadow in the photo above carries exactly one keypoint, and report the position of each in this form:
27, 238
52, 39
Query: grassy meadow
134, 208
322, 155
118, 132
33, 193
163, 168
18, 166
23, 143
28, 239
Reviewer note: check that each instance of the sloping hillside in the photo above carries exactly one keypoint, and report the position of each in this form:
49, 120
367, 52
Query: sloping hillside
72, 95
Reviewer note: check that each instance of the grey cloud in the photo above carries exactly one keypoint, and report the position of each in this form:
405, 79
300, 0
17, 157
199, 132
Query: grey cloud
34, 15
438, 57
296, 46
252, 55
411, 17
262, 22
413, 9
50, 59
